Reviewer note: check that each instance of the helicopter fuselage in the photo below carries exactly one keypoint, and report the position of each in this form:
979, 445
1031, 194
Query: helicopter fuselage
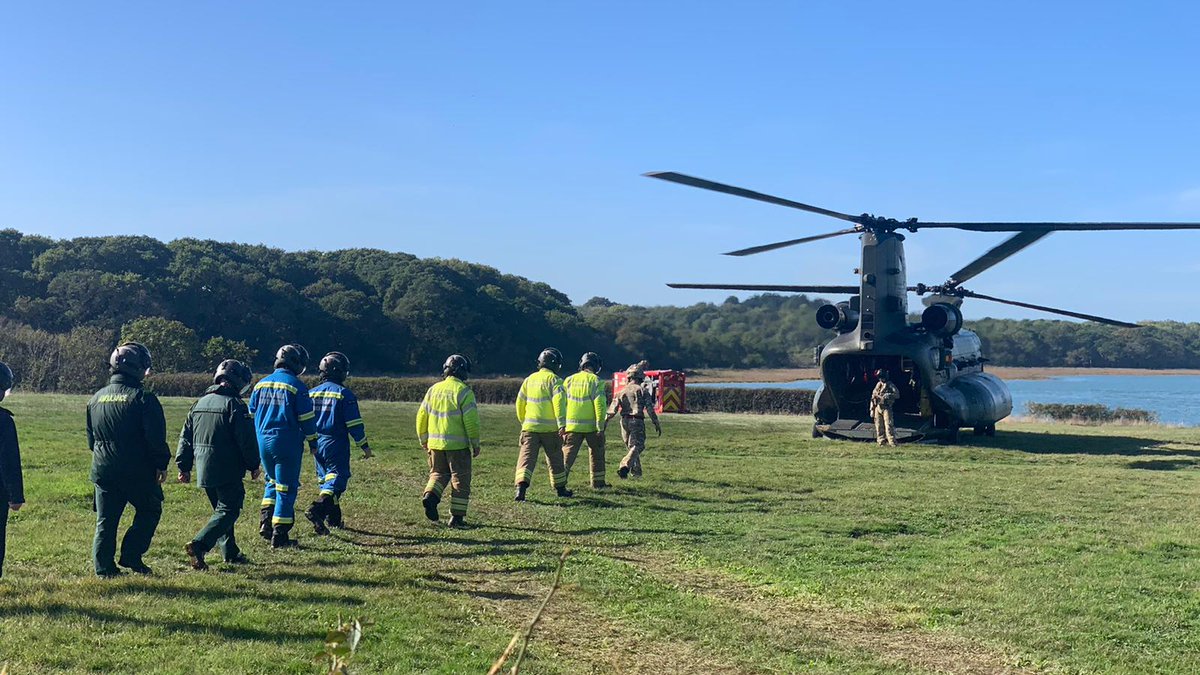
937, 365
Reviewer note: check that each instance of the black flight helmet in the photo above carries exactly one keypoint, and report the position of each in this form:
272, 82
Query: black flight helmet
293, 358
591, 361
6, 380
335, 367
457, 365
550, 358
236, 374
130, 358
881, 375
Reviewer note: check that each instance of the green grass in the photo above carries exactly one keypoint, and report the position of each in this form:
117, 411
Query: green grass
747, 548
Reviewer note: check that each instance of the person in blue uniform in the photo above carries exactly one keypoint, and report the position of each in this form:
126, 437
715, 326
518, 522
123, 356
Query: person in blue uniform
284, 422
338, 423
12, 489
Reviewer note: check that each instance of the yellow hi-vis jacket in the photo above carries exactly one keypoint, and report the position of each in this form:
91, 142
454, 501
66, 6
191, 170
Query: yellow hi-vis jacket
541, 404
448, 418
586, 402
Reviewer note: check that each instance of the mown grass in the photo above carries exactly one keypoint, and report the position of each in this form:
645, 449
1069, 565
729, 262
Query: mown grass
748, 547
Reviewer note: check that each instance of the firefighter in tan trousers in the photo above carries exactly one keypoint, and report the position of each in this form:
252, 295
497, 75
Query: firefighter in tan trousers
585, 417
448, 428
633, 404
883, 397
541, 409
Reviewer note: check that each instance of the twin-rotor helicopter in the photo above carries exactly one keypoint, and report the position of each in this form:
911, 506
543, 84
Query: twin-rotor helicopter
937, 364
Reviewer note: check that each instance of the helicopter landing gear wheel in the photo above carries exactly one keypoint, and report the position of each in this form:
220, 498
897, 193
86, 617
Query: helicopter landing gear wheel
989, 430
816, 433
980, 430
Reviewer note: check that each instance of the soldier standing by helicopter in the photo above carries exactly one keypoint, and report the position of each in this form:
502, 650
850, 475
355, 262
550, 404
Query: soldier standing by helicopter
883, 397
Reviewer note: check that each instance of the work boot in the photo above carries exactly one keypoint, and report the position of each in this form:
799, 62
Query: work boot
264, 522
195, 556
280, 539
564, 492
600, 485
135, 566
316, 515
520, 492
458, 522
623, 472
109, 574
430, 502
334, 518
239, 559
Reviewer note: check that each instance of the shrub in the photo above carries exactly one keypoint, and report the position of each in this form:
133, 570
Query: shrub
174, 347
1090, 413
410, 389
763, 401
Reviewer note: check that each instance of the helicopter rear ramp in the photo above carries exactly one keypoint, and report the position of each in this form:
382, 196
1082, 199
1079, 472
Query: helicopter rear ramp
858, 430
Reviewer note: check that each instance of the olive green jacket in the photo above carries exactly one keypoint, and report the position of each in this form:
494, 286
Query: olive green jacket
218, 439
127, 433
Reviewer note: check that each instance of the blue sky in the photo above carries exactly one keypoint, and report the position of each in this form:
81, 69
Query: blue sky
514, 134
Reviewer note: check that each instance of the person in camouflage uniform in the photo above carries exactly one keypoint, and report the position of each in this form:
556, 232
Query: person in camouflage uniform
633, 404
883, 397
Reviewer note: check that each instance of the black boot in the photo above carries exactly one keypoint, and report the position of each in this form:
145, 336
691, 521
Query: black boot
316, 514
195, 556
264, 522
564, 492
135, 566
280, 539
520, 492
457, 521
430, 501
600, 485
334, 518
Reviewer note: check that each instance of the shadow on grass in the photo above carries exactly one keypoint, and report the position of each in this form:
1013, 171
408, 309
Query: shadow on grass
91, 615
305, 578
1077, 444
214, 594
1163, 464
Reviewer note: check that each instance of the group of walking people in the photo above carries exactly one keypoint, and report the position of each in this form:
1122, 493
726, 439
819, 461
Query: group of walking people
225, 437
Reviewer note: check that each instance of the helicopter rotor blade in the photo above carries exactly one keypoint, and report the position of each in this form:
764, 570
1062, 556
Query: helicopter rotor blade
770, 287
1042, 308
1054, 227
997, 254
791, 242
704, 184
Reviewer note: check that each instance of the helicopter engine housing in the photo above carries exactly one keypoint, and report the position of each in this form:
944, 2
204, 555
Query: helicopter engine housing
942, 319
839, 317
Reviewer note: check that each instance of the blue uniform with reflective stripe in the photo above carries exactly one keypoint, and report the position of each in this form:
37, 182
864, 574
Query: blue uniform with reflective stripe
284, 420
338, 421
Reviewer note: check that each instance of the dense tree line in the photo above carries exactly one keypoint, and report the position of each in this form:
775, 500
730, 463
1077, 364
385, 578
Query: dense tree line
393, 312
67, 302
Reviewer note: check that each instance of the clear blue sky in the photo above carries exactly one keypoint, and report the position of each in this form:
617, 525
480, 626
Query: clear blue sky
514, 134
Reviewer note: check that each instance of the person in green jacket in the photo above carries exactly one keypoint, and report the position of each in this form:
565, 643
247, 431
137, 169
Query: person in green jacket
218, 440
127, 434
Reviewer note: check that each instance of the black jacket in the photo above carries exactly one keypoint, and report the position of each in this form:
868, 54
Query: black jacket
12, 487
218, 439
127, 433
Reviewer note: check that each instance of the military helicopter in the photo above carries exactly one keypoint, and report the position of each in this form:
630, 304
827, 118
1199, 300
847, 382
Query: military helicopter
937, 363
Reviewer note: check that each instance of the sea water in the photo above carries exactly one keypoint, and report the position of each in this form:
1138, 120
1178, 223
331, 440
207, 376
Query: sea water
1174, 398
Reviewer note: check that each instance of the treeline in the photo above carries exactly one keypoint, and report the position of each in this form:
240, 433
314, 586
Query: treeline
392, 312
65, 303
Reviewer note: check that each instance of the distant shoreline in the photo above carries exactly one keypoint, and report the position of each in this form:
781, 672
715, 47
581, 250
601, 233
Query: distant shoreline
782, 375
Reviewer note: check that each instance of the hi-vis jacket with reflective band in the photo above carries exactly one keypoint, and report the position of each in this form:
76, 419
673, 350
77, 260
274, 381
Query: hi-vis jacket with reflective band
541, 403
585, 402
283, 412
448, 418
338, 420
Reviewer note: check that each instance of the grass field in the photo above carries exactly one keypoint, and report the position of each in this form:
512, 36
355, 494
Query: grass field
747, 548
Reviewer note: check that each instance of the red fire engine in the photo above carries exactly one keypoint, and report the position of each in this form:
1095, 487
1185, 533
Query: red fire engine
668, 388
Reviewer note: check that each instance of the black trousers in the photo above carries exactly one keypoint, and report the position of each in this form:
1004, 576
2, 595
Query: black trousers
3, 527
227, 503
111, 500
